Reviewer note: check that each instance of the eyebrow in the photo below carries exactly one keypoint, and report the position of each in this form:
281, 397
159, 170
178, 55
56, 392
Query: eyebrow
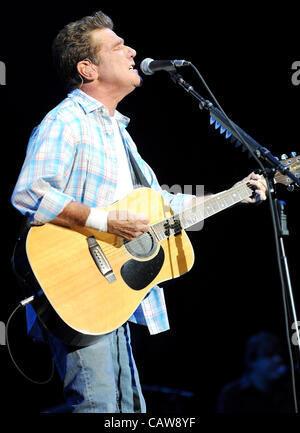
119, 42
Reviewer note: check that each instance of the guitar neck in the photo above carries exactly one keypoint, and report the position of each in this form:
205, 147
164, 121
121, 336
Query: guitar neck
202, 210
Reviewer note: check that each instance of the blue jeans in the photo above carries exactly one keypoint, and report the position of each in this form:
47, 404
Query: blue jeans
101, 378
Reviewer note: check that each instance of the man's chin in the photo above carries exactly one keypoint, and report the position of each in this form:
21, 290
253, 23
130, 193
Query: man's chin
139, 83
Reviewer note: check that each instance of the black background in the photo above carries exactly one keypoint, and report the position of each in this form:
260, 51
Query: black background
245, 55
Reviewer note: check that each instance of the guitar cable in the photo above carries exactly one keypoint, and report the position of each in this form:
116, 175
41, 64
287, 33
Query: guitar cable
36, 382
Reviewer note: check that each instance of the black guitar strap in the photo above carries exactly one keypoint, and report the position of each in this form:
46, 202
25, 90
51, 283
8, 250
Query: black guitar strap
138, 177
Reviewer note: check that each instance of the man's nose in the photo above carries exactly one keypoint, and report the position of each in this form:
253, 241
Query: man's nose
132, 52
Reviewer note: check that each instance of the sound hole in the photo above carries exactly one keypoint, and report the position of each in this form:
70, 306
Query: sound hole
142, 246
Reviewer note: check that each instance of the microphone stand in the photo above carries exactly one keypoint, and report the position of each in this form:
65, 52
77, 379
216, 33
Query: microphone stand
277, 207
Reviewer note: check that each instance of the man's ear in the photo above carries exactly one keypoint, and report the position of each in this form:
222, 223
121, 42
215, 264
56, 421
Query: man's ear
87, 70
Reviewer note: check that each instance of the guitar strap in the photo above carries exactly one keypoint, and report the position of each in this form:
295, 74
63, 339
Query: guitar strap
138, 177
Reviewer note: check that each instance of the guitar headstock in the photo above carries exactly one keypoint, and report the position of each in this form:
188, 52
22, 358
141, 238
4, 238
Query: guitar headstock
294, 167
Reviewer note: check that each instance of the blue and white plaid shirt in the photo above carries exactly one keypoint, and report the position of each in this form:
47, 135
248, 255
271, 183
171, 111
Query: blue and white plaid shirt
71, 155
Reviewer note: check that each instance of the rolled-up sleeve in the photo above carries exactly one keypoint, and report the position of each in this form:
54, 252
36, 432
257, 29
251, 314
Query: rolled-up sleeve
39, 192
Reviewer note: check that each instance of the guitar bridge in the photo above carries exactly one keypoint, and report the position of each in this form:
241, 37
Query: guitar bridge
100, 259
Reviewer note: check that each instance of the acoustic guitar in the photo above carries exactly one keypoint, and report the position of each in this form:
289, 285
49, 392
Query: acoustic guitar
87, 283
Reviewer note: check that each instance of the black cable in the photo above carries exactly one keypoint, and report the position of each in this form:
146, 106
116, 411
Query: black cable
276, 234
21, 304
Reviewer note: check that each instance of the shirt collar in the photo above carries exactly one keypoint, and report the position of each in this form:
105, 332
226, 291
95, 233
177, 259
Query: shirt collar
89, 104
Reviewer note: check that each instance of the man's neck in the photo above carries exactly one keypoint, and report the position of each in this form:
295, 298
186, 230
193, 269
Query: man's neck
107, 97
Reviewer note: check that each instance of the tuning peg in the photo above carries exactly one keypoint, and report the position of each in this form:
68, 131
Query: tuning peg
290, 187
293, 154
284, 156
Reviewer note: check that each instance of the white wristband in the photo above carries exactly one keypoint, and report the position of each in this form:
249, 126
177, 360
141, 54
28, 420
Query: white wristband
97, 219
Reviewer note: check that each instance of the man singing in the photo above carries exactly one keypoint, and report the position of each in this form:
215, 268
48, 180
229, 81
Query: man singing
77, 162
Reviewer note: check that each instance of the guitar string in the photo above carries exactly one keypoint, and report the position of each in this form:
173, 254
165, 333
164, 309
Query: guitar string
110, 251
144, 235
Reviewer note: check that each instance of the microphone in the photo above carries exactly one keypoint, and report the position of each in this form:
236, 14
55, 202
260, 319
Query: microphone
149, 66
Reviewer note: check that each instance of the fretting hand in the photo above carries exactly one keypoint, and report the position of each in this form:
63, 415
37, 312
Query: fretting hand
260, 190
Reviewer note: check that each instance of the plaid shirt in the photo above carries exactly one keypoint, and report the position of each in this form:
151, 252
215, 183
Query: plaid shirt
71, 155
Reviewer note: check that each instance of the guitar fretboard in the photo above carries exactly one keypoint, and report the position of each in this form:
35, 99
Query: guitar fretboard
201, 210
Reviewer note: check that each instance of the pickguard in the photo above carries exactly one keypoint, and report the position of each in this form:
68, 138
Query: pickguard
139, 274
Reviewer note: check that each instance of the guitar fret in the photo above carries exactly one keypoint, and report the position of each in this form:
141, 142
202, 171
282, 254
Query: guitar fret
208, 211
198, 212
223, 202
158, 231
229, 200
191, 216
155, 232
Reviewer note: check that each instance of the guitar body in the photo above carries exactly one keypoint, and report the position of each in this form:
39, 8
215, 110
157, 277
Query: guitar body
78, 302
